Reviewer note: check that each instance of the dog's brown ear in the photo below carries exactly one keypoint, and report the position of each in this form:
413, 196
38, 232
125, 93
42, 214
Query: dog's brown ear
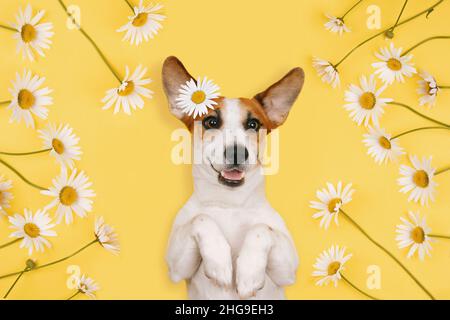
174, 74
278, 99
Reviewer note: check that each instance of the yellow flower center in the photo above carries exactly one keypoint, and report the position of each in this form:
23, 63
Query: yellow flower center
140, 20
333, 268
333, 204
394, 64
418, 235
58, 146
198, 97
421, 179
26, 99
385, 143
129, 88
28, 33
68, 196
31, 230
367, 100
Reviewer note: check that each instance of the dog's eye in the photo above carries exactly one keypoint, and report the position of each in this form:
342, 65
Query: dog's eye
253, 124
211, 122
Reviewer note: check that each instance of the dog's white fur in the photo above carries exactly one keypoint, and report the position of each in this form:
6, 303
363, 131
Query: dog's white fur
229, 243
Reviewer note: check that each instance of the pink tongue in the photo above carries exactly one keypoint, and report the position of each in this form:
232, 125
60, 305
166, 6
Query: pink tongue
233, 175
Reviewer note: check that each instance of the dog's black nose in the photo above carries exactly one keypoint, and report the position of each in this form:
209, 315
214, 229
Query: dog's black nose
236, 154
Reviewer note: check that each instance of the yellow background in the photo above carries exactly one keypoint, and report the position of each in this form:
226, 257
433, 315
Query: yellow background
244, 46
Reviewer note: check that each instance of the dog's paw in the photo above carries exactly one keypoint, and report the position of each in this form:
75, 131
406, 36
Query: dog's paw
220, 275
218, 268
214, 250
217, 261
250, 275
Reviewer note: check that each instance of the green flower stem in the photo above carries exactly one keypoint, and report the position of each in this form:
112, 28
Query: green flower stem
24, 153
356, 288
5, 102
417, 129
50, 263
7, 28
399, 16
10, 243
6, 164
424, 41
14, 283
111, 68
442, 170
130, 5
419, 114
387, 252
439, 236
353, 7
387, 29
74, 295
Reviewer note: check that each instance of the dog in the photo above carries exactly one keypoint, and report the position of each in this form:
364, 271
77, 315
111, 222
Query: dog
227, 242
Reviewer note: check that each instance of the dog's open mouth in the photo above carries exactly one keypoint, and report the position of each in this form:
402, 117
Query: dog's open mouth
232, 177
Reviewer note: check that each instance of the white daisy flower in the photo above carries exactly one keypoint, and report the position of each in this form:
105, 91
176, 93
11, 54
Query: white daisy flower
336, 25
33, 229
143, 25
428, 89
28, 99
87, 286
31, 35
327, 72
364, 102
62, 142
330, 203
72, 194
106, 236
381, 147
418, 180
393, 66
129, 93
196, 97
329, 265
414, 234
5, 195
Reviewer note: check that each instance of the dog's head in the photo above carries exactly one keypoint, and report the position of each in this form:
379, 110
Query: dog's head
231, 132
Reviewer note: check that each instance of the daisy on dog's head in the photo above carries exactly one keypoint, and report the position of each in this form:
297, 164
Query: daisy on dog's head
196, 97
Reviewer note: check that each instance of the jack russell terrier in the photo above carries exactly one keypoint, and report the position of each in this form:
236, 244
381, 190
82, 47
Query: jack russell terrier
227, 242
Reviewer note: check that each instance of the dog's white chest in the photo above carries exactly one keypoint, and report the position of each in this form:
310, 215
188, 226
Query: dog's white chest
233, 222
